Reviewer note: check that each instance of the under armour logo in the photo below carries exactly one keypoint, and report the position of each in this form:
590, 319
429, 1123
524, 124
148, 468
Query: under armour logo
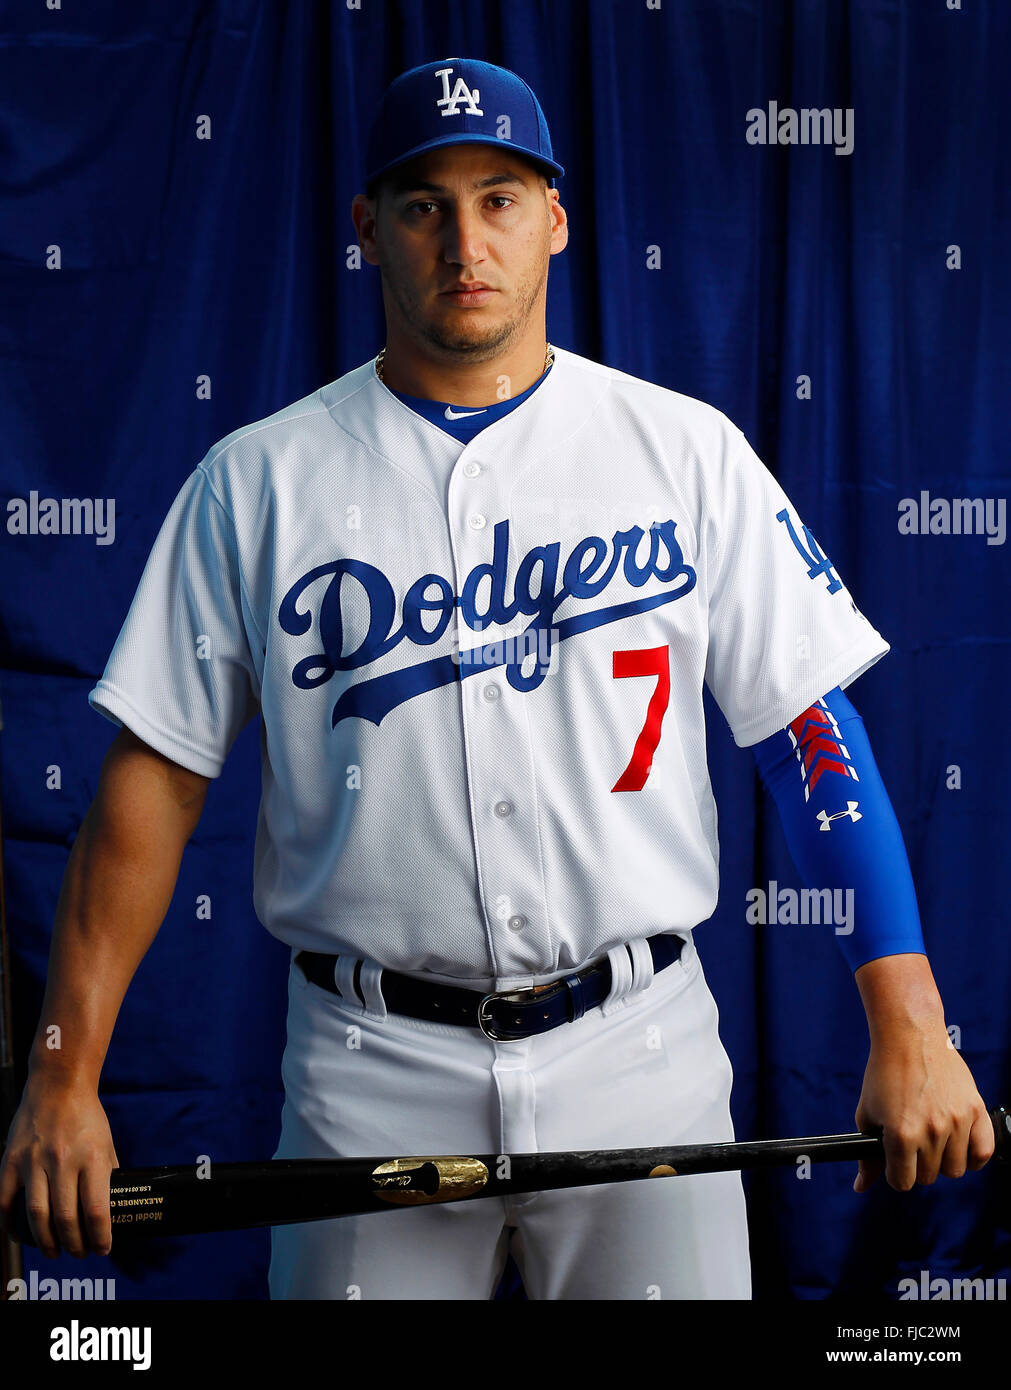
450, 101
851, 811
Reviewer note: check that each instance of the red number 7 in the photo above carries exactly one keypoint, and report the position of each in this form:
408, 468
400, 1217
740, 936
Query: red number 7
653, 662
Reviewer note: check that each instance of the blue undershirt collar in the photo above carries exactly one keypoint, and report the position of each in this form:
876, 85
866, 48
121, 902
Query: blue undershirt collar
463, 422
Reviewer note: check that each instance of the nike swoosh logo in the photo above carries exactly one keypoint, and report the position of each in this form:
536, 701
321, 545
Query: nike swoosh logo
452, 414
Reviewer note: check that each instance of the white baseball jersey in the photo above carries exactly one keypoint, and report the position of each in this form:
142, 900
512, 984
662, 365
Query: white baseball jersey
480, 668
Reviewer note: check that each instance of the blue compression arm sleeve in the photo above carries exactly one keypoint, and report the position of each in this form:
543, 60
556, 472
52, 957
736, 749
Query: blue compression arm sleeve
840, 826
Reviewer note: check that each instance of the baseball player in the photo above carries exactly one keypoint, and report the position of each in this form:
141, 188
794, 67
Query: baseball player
475, 588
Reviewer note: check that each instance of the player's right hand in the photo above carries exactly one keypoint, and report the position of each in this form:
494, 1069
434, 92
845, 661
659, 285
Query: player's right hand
60, 1150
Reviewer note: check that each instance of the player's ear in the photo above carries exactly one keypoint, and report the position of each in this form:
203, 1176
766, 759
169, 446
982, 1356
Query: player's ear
559, 223
364, 216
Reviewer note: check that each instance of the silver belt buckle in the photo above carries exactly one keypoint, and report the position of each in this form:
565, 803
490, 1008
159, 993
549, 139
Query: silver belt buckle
517, 996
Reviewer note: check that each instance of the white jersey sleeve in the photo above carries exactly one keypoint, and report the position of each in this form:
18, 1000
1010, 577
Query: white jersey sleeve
184, 674
783, 627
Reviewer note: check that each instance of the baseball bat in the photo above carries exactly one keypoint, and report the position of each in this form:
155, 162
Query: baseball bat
11, 1262
176, 1200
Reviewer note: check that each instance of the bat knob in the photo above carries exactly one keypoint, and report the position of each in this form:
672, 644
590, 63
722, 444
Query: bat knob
1001, 1118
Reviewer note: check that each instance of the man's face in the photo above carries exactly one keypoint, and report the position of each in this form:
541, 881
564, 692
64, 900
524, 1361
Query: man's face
463, 215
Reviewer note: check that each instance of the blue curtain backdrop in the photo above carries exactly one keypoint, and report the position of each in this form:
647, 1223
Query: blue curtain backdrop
723, 269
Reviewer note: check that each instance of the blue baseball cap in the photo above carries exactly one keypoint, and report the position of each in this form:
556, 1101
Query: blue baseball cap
454, 102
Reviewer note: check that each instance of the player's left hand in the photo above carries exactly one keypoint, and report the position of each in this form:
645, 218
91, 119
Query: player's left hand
920, 1094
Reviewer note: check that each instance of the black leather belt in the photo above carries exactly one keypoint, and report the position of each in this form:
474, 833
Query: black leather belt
506, 1016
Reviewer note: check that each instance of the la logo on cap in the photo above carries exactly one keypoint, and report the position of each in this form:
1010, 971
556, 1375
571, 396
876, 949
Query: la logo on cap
450, 101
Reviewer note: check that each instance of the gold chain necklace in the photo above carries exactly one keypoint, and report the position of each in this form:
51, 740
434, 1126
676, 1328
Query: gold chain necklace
549, 357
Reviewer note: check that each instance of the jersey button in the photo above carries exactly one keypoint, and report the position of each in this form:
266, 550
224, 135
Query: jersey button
471, 469
478, 522
491, 692
504, 808
516, 922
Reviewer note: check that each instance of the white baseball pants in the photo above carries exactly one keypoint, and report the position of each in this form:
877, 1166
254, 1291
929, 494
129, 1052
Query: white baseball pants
645, 1068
